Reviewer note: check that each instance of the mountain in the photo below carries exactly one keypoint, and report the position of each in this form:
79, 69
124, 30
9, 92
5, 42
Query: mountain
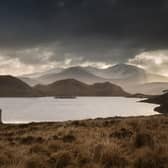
32, 79
162, 100
133, 79
72, 87
29, 81
155, 88
38, 74
121, 72
108, 89
77, 73
126, 73
13, 87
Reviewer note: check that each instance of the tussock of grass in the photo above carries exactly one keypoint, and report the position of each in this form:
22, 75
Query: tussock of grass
38, 149
102, 143
35, 161
109, 156
30, 140
143, 139
69, 138
60, 159
121, 134
151, 158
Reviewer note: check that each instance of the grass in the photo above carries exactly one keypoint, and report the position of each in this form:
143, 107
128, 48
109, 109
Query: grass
139, 142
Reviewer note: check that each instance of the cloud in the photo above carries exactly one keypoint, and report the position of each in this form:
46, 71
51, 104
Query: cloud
62, 33
153, 61
30, 23
39, 59
23, 62
73, 53
13, 66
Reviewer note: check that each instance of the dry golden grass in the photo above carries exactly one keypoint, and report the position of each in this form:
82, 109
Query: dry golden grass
140, 142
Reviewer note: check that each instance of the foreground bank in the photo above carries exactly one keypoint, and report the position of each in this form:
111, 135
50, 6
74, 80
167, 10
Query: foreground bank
139, 142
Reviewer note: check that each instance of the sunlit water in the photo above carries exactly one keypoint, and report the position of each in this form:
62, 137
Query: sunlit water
23, 110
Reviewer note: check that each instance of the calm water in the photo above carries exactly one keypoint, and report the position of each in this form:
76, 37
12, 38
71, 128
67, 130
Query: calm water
24, 110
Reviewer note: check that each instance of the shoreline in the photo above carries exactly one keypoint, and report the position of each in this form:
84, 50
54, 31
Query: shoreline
85, 120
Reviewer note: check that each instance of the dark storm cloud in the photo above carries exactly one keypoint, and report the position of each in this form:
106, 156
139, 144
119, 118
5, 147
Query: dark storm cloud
103, 30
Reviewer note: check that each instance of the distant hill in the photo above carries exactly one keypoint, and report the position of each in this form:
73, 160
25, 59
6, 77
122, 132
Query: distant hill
133, 79
121, 72
38, 74
155, 88
154, 78
13, 87
72, 87
127, 72
32, 79
162, 100
77, 73
29, 81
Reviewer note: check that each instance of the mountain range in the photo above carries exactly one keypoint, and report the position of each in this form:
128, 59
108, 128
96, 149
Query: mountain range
72, 87
77, 73
13, 87
133, 79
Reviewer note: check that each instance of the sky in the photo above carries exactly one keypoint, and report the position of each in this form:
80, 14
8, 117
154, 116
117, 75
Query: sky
37, 35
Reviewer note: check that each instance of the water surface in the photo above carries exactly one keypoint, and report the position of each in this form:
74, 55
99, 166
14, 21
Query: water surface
23, 110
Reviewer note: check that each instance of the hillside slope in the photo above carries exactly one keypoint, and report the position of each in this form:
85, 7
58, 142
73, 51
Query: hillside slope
13, 87
155, 88
72, 87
